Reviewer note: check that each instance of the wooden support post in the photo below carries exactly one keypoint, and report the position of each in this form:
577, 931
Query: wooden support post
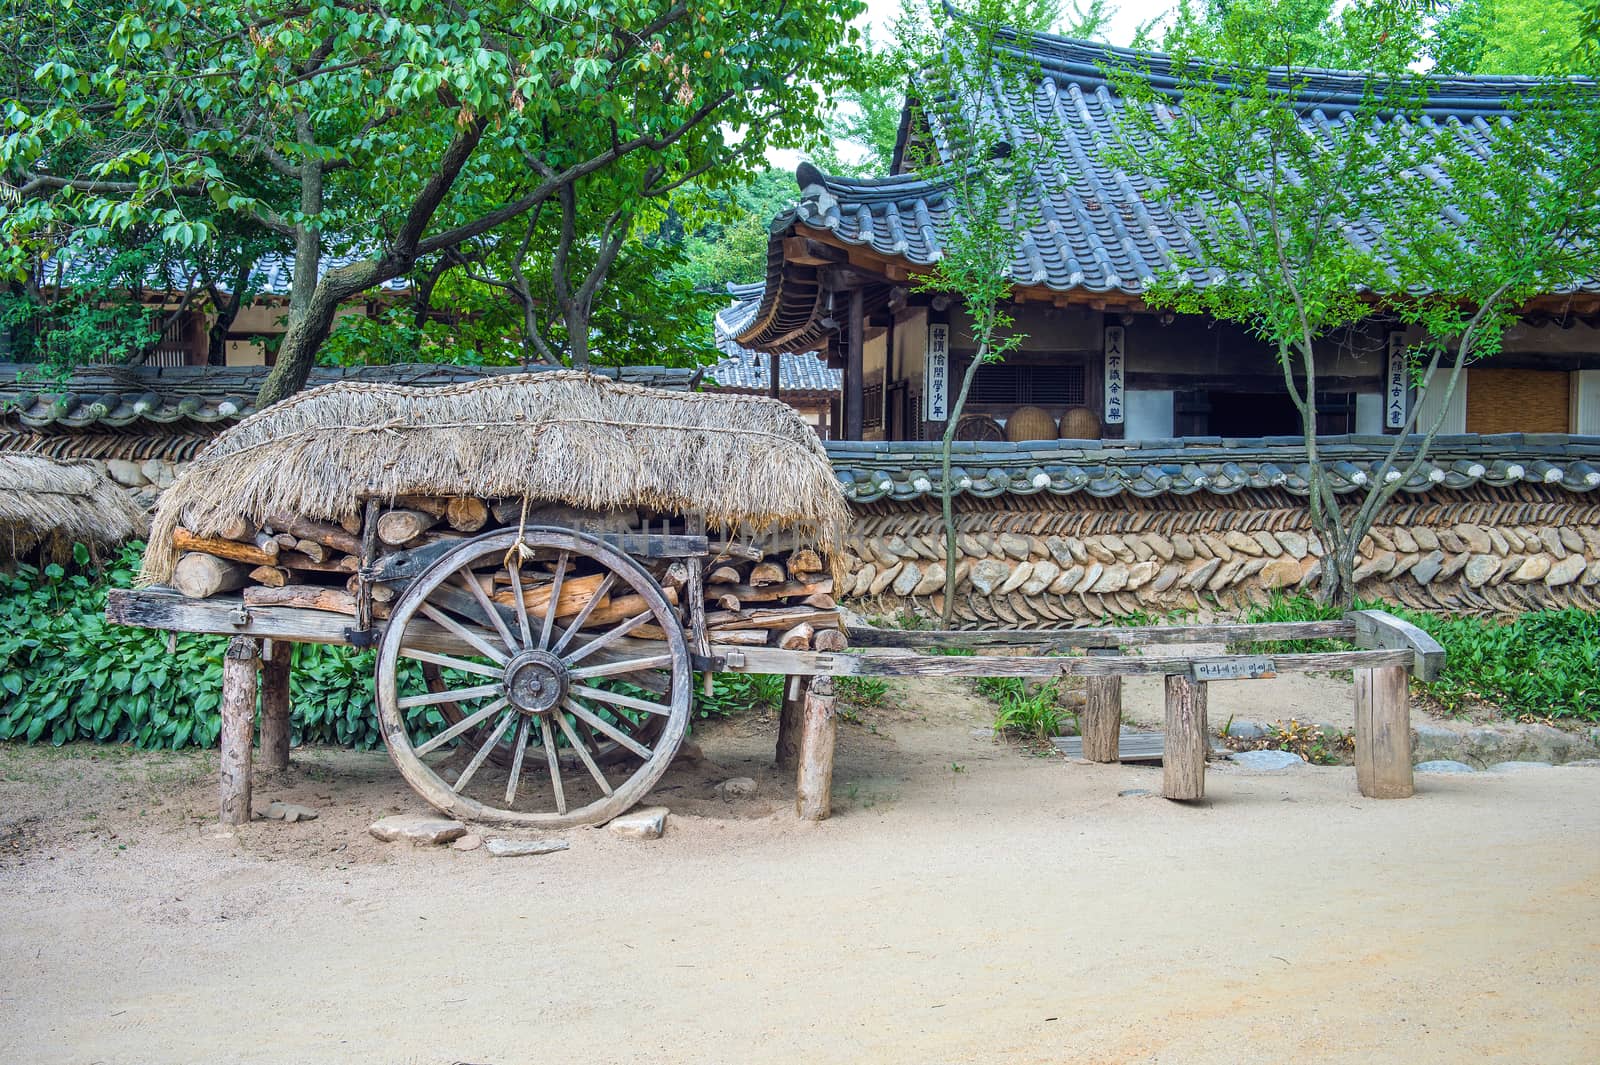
275, 704
1183, 764
1383, 733
854, 381
789, 719
238, 727
1102, 714
813, 792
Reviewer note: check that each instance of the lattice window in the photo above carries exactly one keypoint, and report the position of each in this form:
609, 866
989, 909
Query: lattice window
872, 407
1005, 384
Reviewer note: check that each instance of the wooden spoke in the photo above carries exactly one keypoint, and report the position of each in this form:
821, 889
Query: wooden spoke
516, 761
454, 695
465, 665
555, 600
610, 637
459, 727
583, 614
483, 752
582, 713
522, 607
626, 665
484, 647
583, 753
619, 699
625, 741
554, 762
491, 611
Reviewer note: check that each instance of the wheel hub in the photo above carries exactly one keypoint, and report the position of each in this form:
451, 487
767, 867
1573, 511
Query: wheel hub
535, 682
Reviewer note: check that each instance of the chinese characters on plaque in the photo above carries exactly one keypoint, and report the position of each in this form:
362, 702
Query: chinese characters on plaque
936, 394
1116, 374
1396, 387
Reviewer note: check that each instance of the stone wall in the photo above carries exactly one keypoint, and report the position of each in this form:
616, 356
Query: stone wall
1039, 561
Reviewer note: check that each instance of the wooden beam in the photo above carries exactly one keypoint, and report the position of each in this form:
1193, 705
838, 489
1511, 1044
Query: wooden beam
1383, 733
1142, 636
853, 372
238, 729
1183, 762
807, 251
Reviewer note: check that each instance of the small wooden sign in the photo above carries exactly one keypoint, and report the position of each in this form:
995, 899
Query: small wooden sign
1232, 668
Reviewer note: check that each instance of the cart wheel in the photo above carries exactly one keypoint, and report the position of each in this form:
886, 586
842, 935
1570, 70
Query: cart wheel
533, 649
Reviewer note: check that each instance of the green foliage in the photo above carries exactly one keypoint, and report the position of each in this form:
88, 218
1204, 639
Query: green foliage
1541, 664
525, 139
1314, 744
1510, 37
734, 694
1455, 259
1030, 713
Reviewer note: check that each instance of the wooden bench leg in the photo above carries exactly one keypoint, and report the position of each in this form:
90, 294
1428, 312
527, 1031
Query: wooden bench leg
238, 727
1102, 718
813, 792
787, 755
275, 704
1183, 763
1383, 733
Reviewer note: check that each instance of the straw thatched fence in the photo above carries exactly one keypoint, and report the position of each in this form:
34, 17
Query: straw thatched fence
47, 505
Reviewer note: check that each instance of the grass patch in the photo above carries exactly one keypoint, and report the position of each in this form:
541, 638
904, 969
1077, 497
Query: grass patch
1544, 664
1032, 715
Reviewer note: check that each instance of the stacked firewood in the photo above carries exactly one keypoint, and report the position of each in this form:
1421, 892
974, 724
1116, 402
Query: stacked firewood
767, 599
752, 597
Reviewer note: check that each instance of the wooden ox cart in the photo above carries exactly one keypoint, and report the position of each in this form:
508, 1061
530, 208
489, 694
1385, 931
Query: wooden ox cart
544, 563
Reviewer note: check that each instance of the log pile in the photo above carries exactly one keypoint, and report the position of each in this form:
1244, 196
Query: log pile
751, 597
760, 599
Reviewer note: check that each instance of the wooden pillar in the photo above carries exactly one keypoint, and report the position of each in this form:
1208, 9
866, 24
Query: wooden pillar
1102, 714
772, 371
853, 371
275, 704
1183, 764
790, 716
1383, 733
813, 792
238, 727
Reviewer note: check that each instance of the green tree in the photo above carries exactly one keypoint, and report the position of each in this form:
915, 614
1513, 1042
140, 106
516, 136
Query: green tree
1464, 238
401, 134
1509, 37
984, 174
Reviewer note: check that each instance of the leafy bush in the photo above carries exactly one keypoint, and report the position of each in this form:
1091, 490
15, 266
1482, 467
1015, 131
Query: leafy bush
1543, 664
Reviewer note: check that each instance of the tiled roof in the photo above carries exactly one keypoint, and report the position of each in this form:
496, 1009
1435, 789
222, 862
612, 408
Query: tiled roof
907, 470
1097, 228
743, 368
118, 397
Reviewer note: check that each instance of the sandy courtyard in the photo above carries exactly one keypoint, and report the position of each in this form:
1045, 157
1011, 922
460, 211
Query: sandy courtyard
969, 902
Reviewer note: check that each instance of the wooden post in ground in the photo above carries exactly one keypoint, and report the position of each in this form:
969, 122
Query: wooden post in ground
275, 704
813, 792
787, 755
238, 727
1183, 763
1383, 733
1102, 714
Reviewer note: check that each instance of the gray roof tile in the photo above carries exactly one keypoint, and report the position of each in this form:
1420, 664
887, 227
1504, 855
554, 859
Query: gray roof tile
1099, 229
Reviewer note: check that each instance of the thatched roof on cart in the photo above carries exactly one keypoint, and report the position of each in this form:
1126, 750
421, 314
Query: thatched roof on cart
52, 504
561, 437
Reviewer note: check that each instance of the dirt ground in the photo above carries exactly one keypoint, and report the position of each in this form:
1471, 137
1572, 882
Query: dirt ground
968, 902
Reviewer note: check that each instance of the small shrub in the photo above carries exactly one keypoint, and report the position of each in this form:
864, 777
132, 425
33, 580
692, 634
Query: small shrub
1033, 716
733, 694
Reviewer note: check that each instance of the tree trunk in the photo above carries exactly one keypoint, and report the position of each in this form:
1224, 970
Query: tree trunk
946, 500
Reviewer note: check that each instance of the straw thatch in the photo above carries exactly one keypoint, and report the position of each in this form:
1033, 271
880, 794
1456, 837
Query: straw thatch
562, 437
47, 505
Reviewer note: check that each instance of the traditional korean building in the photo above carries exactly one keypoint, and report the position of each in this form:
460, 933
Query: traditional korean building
1098, 362
1130, 461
